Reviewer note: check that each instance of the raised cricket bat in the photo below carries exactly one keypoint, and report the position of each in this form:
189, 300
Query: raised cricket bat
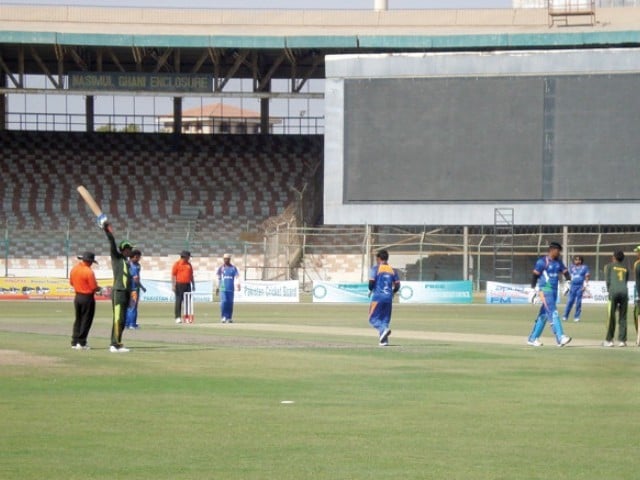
93, 205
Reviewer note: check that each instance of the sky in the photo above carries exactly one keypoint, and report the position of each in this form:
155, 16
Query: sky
275, 4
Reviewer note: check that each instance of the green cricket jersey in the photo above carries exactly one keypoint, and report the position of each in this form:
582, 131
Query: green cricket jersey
616, 276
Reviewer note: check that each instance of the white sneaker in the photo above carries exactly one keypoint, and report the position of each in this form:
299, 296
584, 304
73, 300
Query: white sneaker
576, 319
77, 346
223, 320
86, 347
114, 349
564, 319
178, 320
383, 344
622, 344
607, 344
535, 343
564, 340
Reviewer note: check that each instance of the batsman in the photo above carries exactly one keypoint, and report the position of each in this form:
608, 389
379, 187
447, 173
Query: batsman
544, 286
121, 291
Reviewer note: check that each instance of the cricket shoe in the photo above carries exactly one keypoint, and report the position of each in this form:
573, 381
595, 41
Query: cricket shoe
564, 340
534, 343
576, 319
114, 349
384, 336
223, 320
86, 347
622, 344
178, 320
607, 344
77, 346
383, 344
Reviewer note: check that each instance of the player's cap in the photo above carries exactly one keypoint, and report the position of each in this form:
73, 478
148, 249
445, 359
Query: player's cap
555, 245
185, 254
226, 256
637, 249
125, 244
88, 257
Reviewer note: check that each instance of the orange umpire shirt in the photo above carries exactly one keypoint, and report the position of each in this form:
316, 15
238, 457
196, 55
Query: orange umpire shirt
183, 271
82, 279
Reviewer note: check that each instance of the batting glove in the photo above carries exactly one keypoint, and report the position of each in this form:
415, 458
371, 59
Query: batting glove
566, 288
102, 220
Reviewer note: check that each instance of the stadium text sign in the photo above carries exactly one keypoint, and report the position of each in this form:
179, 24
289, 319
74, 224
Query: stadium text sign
155, 82
268, 292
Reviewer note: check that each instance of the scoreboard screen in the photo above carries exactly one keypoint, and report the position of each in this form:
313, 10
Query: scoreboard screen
551, 134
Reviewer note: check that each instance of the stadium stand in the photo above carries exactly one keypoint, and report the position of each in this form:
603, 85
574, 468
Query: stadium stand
157, 189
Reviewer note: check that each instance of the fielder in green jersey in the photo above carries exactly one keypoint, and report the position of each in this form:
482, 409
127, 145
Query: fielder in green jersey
616, 276
636, 291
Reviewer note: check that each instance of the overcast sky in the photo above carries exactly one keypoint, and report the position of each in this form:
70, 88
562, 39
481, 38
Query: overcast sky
275, 4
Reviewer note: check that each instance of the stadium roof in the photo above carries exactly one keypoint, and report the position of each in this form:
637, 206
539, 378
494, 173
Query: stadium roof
269, 44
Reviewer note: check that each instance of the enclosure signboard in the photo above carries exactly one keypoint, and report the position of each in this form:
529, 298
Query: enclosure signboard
135, 82
436, 292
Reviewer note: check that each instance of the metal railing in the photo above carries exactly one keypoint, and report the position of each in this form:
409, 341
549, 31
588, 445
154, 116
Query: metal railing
286, 251
77, 122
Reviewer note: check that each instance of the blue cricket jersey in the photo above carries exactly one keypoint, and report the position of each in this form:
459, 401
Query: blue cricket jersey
549, 271
134, 270
385, 277
578, 274
226, 277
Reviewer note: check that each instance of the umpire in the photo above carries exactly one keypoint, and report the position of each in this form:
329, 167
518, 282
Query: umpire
182, 281
83, 280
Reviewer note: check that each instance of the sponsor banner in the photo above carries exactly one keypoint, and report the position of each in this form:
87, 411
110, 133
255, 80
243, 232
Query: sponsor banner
436, 292
42, 288
330, 292
509, 293
253, 291
161, 291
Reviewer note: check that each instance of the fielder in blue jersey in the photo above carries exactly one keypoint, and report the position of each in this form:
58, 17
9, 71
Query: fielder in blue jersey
544, 287
579, 280
131, 319
227, 275
383, 284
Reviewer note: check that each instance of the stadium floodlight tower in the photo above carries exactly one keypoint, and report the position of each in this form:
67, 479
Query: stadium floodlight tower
380, 5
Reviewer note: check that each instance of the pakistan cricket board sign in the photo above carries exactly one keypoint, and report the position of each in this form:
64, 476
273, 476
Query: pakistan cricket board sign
153, 82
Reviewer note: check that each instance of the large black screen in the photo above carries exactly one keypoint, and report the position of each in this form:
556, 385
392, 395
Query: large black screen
507, 138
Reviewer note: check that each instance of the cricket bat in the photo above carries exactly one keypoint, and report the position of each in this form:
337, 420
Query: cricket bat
92, 204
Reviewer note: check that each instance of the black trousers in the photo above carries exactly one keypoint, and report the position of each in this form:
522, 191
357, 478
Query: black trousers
618, 303
181, 288
120, 303
85, 309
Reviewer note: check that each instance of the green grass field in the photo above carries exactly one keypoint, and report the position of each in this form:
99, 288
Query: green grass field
457, 395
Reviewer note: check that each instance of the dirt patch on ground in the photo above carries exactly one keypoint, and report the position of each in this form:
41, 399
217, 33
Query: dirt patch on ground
15, 358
